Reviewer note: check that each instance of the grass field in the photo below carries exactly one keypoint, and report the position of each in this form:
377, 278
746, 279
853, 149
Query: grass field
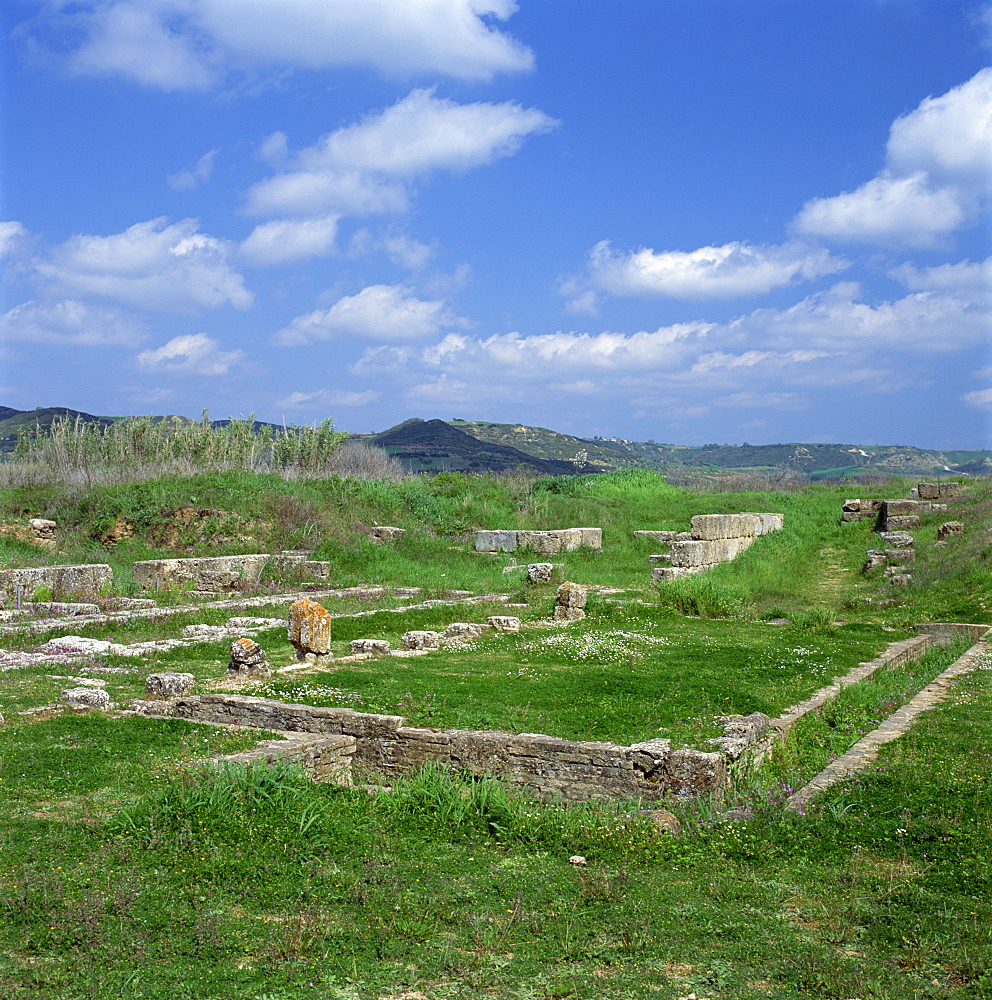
127, 870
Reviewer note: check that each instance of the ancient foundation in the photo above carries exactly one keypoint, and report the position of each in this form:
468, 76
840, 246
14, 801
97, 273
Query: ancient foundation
549, 542
714, 538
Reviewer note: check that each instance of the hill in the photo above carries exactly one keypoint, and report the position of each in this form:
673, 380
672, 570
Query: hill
434, 446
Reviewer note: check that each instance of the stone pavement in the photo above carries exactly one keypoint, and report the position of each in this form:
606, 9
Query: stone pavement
865, 750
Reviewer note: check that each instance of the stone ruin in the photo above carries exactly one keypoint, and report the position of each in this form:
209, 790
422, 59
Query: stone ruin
382, 533
938, 491
309, 630
169, 684
249, 659
549, 542
38, 531
87, 578
570, 602
210, 573
713, 539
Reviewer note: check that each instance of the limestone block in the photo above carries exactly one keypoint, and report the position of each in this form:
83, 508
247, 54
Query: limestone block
660, 559
495, 541
900, 508
900, 579
662, 537
938, 491
714, 526
504, 623
248, 657
207, 573
949, 528
550, 542
464, 630
382, 533
62, 609
309, 628
540, 572
317, 568
855, 515
901, 522
568, 614
896, 539
169, 684
69, 644
87, 578
666, 822
660, 573
84, 697
766, 522
590, 538
875, 559
378, 646
903, 556
571, 595
420, 639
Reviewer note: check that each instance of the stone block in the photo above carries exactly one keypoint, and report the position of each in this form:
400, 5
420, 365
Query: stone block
504, 623
495, 541
540, 572
709, 527
902, 522
248, 657
660, 573
766, 522
900, 508
87, 578
660, 559
464, 630
568, 614
938, 491
420, 639
85, 697
949, 528
206, 573
309, 628
378, 646
896, 539
571, 595
169, 684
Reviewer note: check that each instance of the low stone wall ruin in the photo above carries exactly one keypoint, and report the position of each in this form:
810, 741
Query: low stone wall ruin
218, 573
385, 748
549, 542
89, 578
321, 758
714, 538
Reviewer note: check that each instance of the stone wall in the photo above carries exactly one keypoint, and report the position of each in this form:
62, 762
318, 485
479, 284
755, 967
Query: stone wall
938, 491
322, 758
548, 542
714, 538
553, 768
216, 573
89, 578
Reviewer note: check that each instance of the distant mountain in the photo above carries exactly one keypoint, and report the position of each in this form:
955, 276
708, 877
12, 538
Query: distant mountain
434, 446
480, 446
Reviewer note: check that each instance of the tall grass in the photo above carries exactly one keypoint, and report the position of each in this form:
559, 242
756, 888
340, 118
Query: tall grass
129, 449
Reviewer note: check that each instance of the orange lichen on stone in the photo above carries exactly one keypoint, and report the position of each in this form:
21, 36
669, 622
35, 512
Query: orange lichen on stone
309, 628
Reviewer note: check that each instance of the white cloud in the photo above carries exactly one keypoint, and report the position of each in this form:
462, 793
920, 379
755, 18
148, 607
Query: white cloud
935, 180
290, 239
970, 278
408, 252
71, 323
151, 265
13, 236
731, 270
366, 167
178, 44
328, 397
190, 354
980, 399
186, 180
836, 319
378, 312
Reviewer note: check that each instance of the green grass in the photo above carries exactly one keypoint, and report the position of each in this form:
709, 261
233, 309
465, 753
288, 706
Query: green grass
218, 886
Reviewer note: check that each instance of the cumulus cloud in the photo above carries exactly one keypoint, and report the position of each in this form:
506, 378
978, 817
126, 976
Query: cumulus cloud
13, 237
971, 278
290, 239
190, 354
935, 179
731, 270
838, 319
151, 265
367, 167
179, 45
379, 312
71, 323
328, 397
186, 180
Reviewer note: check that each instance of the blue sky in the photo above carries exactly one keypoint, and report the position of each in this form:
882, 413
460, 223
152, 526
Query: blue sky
686, 220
